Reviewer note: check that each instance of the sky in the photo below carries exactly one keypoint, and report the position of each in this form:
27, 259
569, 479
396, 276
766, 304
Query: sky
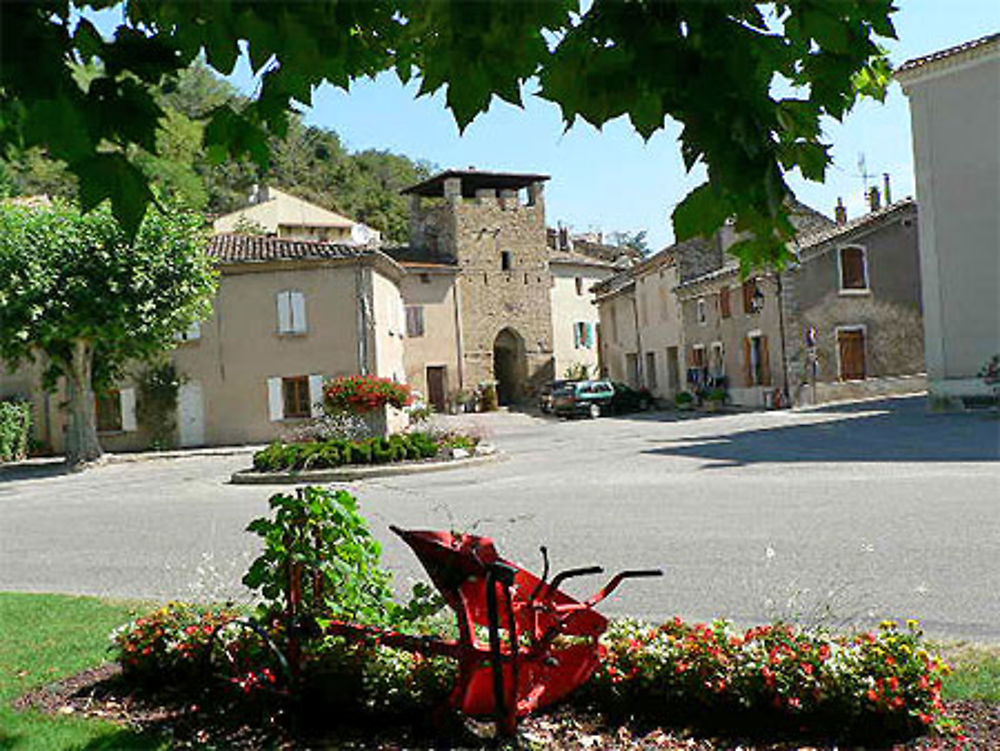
611, 179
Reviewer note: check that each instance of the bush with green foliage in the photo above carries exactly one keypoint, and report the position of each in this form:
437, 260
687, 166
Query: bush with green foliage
15, 428
337, 452
684, 398
876, 684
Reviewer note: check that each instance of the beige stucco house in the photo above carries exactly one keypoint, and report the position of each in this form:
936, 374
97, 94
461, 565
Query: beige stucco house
955, 109
575, 320
288, 314
280, 214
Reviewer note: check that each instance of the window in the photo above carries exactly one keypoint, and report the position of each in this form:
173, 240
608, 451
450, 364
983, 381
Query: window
751, 296
698, 356
632, 369
702, 312
583, 335
651, 370
295, 395
190, 334
109, 411
579, 285
725, 305
757, 360
853, 269
291, 312
717, 360
851, 353
505, 260
115, 411
414, 320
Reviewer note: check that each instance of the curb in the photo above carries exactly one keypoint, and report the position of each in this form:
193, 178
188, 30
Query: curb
345, 474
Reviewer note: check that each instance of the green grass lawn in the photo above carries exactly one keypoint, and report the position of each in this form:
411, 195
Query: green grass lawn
44, 638
977, 671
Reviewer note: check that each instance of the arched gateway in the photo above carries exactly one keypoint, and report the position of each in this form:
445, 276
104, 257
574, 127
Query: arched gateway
510, 366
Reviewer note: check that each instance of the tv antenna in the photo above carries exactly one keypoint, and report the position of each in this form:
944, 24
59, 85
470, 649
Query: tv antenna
863, 172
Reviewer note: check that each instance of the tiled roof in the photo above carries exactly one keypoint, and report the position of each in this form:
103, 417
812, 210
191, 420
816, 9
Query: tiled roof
578, 259
861, 222
260, 248
409, 255
958, 49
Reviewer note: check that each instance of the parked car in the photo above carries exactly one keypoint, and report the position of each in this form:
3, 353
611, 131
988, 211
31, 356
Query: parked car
596, 398
546, 392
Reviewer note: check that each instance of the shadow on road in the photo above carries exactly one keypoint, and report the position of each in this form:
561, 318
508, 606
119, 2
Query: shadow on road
34, 470
889, 430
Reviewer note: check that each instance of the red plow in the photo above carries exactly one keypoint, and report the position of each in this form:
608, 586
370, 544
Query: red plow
541, 645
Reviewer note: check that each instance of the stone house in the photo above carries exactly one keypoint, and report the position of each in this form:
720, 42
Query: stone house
486, 298
852, 309
277, 213
954, 99
287, 314
641, 314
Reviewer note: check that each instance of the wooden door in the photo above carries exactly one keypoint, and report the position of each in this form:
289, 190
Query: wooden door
436, 390
852, 354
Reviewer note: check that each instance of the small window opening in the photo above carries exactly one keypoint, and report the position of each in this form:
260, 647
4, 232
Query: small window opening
505, 260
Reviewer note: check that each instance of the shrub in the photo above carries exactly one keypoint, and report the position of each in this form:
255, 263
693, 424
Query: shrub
684, 398
717, 395
337, 452
365, 393
882, 683
170, 645
15, 426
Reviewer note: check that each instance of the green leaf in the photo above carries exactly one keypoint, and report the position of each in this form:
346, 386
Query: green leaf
701, 212
112, 176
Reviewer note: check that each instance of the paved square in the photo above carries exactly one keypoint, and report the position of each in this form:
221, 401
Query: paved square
847, 512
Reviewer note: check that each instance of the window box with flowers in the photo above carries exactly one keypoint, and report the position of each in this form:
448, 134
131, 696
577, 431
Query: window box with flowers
377, 401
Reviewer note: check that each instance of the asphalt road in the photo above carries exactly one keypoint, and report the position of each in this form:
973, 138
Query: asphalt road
844, 514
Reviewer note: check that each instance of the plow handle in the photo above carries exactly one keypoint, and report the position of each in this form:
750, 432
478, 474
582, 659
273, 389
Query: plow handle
569, 574
612, 585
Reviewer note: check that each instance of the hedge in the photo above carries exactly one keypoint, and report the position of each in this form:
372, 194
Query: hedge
339, 451
15, 427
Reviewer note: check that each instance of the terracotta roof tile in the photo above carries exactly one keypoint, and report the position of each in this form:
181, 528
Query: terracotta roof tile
933, 57
865, 220
260, 248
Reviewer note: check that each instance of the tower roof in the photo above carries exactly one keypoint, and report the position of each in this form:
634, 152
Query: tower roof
473, 180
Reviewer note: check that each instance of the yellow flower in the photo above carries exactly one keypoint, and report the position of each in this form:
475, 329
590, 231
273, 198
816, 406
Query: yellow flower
887, 625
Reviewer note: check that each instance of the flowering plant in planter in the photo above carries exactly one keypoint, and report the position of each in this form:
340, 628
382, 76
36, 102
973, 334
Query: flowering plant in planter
365, 393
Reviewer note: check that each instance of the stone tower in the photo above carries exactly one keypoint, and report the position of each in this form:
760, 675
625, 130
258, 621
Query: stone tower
492, 226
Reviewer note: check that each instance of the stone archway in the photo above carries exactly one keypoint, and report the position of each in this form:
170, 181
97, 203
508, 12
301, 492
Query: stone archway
510, 366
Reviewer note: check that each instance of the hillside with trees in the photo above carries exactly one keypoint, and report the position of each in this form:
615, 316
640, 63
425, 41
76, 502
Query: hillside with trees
309, 161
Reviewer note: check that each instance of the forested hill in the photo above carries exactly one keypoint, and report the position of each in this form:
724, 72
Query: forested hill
310, 162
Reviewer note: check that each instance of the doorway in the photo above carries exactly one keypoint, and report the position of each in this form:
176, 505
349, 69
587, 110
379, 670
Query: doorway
437, 388
510, 368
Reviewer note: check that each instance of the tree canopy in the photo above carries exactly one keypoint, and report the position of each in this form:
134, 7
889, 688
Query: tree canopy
749, 82
76, 289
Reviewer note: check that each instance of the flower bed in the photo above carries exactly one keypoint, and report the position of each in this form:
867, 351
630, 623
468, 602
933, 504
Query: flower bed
875, 684
337, 452
365, 393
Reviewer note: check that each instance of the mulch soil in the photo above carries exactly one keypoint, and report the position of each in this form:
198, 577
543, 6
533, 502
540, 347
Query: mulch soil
101, 693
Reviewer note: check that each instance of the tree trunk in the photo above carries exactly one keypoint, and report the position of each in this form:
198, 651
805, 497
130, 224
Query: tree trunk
81, 437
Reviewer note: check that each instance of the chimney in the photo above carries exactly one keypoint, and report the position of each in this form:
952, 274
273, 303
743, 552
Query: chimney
874, 199
887, 191
840, 211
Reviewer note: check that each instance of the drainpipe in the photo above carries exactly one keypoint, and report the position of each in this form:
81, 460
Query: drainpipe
457, 299
638, 338
781, 333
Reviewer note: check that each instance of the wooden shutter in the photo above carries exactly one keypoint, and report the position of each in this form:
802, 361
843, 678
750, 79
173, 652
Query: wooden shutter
316, 395
765, 363
284, 312
298, 300
747, 361
129, 422
852, 354
852, 268
275, 400
748, 289
725, 309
